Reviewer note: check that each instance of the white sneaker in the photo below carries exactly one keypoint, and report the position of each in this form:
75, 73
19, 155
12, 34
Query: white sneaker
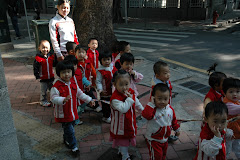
98, 109
107, 120
45, 104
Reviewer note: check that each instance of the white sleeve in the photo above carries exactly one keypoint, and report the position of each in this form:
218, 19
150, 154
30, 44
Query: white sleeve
99, 81
138, 104
122, 107
82, 96
211, 147
55, 97
53, 37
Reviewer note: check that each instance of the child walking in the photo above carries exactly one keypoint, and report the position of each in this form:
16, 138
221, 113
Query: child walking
123, 129
161, 118
123, 47
92, 52
62, 29
43, 70
127, 62
64, 94
212, 141
231, 89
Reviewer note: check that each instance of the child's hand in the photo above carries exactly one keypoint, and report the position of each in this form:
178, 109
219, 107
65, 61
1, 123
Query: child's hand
128, 94
92, 103
152, 99
86, 57
215, 131
131, 72
177, 134
88, 88
66, 99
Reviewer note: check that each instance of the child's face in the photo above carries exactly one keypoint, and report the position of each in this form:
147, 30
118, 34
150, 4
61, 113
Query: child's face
161, 99
93, 44
75, 67
127, 66
66, 75
233, 94
122, 84
64, 9
72, 52
219, 88
44, 48
217, 121
106, 61
164, 74
127, 49
81, 55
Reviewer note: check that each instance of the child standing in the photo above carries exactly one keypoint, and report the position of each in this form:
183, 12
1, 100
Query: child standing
43, 70
92, 52
123, 118
62, 29
64, 94
70, 47
212, 141
231, 89
123, 47
161, 118
104, 83
127, 62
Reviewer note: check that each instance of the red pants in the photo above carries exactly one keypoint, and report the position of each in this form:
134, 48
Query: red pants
157, 150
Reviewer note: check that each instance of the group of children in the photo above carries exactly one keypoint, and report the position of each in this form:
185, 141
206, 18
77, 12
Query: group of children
111, 76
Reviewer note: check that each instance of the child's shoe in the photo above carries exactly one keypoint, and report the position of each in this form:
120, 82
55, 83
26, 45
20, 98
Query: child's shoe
107, 120
172, 138
98, 109
45, 104
75, 152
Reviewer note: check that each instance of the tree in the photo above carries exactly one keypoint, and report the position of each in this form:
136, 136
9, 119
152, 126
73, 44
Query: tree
93, 18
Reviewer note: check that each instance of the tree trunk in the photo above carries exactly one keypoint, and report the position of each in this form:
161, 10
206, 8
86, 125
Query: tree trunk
93, 18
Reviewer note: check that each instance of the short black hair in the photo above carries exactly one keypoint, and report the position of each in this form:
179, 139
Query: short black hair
60, 2
104, 54
158, 65
215, 107
70, 46
114, 47
160, 87
122, 45
230, 83
215, 79
127, 57
119, 73
90, 39
63, 65
71, 58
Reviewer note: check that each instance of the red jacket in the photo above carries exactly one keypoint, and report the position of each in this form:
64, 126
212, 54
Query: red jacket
77, 78
93, 57
214, 95
43, 67
66, 112
88, 70
123, 125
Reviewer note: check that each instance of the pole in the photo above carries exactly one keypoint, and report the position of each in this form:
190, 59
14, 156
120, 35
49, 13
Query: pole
125, 6
27, 20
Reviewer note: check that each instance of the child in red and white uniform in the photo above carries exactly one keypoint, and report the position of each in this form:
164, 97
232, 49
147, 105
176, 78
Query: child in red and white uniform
231, 89
62, 29
212, 141
161, 119
43, 70
64, 94
123, 47
92, 53
104, 83
123, 129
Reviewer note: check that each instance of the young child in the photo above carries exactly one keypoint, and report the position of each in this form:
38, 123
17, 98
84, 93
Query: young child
70, 47
231, 89
123, 129
212, 141
92, 52
161, 118
215, 81
62, 29
43, 70
104, 83
123, 47
115, 52
88, 71
64, 94
127, 62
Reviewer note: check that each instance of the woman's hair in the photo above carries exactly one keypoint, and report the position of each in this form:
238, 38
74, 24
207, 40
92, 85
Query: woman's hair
215, 107
160, 87
118, 74
158, 65
60, 2
215, 77
63, 65
72, 59
122, 45
105, 54
127, 57
230, 83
